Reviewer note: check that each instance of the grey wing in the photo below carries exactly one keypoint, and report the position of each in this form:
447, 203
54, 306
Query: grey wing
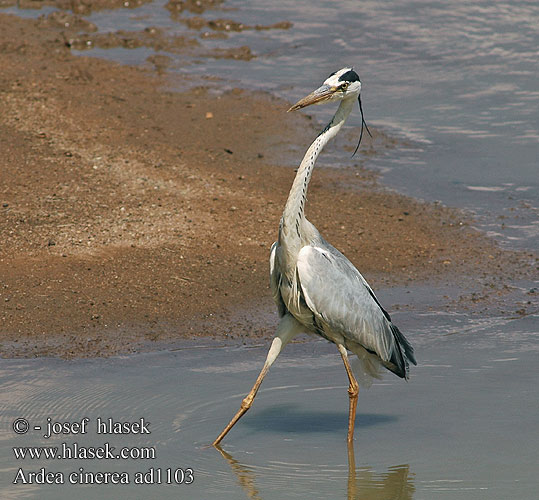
339, 296
275, 280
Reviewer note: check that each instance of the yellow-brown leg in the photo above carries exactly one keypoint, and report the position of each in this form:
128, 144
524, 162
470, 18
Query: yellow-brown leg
245, 405
288, 328
353, 391
352, 482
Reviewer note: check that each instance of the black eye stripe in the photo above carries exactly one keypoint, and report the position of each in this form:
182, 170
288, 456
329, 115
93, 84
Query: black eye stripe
349, 76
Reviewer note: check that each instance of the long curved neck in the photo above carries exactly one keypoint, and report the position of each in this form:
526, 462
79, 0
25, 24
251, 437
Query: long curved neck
295, 205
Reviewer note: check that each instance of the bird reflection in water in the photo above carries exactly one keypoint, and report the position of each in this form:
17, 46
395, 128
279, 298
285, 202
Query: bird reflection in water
363, 483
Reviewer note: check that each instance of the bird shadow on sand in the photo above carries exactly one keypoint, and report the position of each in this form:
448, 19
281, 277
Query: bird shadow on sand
290, 418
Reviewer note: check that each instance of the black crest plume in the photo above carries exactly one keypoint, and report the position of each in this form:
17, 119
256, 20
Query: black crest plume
362, 123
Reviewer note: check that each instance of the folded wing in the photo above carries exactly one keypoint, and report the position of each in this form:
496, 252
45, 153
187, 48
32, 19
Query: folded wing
340, 297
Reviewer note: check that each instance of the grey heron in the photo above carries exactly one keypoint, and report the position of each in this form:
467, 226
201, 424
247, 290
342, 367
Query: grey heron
316, 288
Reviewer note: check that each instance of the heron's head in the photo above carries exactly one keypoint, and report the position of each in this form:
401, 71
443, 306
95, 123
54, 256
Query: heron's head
342, 84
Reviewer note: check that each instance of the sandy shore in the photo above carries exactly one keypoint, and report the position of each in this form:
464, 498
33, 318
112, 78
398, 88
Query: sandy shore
133, 215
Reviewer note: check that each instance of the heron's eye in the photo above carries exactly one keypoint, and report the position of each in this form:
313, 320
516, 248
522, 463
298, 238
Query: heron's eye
344, 86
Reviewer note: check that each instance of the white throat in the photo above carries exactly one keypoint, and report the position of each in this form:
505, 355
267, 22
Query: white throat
295, 205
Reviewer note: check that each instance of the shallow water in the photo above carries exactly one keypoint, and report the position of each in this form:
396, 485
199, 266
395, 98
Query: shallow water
464, 426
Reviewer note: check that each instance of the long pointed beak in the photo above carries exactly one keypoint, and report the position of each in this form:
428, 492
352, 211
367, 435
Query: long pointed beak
319, 96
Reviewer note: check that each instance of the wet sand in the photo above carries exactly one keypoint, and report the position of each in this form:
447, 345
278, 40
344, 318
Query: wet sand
133, 216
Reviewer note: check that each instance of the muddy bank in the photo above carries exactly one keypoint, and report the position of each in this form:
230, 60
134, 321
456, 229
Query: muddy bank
81, 34
133, 216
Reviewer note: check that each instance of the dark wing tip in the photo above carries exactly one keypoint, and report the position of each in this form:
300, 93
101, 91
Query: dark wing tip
403, 353
404, 344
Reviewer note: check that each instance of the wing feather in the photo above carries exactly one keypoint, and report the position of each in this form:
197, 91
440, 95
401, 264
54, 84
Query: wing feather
275, 280
337, 294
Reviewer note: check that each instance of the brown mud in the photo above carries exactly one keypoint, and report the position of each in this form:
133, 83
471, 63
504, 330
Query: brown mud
132, 216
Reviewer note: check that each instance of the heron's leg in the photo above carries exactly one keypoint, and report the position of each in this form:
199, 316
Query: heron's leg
352, 481
353, 391
248, 401
288, 328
